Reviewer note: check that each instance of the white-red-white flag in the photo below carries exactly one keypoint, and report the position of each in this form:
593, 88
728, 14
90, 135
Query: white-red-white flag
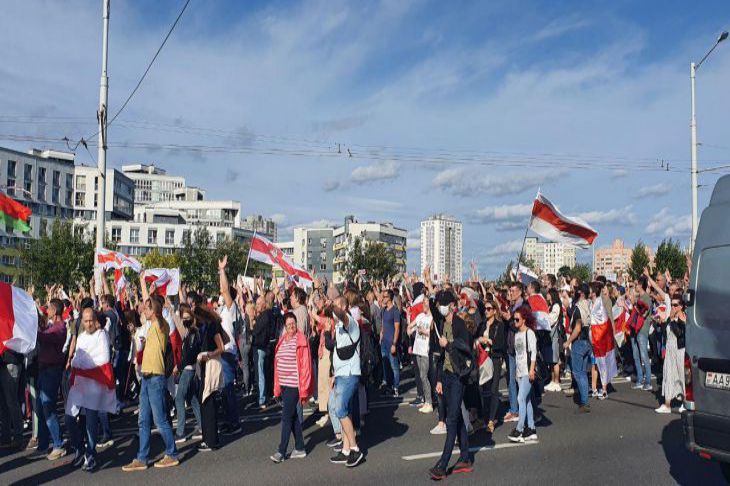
264, 251
108, 259
18, 320
540, 310
548, 222
166, 280
92, 377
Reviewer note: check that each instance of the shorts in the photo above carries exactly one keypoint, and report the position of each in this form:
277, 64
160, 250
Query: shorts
345, 389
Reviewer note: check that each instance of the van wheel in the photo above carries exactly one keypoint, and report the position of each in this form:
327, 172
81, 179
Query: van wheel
725, 467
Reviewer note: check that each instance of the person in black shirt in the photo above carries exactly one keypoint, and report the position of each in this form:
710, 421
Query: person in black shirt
262, 331
493, 338
212, 336
187, 390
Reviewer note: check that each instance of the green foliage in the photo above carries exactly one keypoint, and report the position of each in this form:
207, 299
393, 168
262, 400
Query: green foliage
64, 256
375, 257
669, 256
564, 271
639, 260
582, 271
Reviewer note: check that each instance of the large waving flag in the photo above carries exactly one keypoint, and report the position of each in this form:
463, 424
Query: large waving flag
548, 222
264, 251
166, 280
109, 259
18, 320
14, 214
92, 377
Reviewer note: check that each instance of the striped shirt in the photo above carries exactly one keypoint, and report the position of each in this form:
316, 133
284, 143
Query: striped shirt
286, 363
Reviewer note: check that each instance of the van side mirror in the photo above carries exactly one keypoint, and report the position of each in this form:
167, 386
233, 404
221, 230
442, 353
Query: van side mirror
689, 298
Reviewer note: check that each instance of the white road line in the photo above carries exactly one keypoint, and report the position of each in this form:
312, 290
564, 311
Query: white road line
507, 445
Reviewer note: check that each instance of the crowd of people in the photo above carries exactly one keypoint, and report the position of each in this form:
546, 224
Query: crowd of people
332, 348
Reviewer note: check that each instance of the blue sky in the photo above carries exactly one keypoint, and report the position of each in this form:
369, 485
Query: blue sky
458, 107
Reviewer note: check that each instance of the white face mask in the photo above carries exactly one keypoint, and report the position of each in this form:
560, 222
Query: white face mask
444, 310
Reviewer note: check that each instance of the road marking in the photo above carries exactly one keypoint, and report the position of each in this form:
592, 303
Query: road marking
507, 445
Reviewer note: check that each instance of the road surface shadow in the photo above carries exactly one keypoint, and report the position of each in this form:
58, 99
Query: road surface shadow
685, 467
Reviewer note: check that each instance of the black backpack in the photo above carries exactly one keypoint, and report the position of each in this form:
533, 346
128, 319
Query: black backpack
368, 354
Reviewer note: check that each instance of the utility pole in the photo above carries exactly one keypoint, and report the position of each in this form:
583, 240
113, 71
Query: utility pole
693, 130
101, 116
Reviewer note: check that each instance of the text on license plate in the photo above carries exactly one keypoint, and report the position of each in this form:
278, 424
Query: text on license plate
717, 380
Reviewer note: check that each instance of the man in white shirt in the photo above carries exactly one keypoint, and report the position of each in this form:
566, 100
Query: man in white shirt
228, 312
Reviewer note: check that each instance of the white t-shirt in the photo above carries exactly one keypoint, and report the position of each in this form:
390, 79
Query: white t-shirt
228, 315
524, 341
421, 342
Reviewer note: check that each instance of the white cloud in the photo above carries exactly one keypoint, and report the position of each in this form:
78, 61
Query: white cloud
470, 182
506, 212
330, 185
279, 218
506, 248
381, 170
668, 225
659, 189
414, 239
619, 173
561, 26
625, 216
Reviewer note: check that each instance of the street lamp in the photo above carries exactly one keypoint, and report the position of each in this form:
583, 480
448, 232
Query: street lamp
693, 129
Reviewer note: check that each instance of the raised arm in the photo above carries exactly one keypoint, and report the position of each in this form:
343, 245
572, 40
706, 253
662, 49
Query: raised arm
143, 287
224, 287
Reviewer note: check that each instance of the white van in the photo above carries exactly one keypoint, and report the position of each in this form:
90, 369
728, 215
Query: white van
707, 363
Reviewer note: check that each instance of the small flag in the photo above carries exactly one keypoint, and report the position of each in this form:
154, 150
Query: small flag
166, 280
264, 251
18, 320
14, 214
108, 259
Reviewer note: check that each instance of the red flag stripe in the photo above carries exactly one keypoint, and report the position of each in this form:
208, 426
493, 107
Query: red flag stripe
546, 212
103, 374
7, 316
13, 208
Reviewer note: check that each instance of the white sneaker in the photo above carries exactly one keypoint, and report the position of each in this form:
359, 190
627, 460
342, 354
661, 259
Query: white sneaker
682, 409
428, 408
553, 387
439, 430
663, 409
322, 422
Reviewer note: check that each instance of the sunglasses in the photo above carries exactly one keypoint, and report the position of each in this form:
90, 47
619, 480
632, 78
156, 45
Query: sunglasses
676, 304
489, 308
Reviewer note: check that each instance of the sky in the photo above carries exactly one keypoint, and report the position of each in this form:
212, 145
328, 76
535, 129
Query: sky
392, 110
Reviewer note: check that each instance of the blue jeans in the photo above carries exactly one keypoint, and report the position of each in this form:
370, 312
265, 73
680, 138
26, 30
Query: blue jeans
92, 427
453, 392
48, 383
106, 430
524, 402
229, 395
580, 356
392, 378
261, 374
345, 388
184, 393
152, 407
331, 411
642, 363
512, 382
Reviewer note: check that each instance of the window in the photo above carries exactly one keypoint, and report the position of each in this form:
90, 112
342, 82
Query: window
323, 256
69, 197
151, 236
712, 292
134, 235
69, 181
220, 236
11, 177
323, 242
322, 267
41, 183
170, 237
80, 199
80, 183
28, 178
56, 178
116, 234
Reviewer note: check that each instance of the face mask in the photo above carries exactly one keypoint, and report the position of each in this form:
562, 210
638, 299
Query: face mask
444, 310
187, 322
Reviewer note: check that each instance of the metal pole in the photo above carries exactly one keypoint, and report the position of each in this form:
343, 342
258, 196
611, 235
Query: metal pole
101, 116
693, 130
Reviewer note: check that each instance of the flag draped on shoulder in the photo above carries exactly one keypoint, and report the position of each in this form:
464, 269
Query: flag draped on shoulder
108, 259
602, 338
14, 214
548, 222
18, 320
92, 377
264, 251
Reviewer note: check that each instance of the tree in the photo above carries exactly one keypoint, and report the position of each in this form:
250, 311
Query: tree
639, 260
506, 277
375, 257
64, 257
196, 259
155, 259
564, 271
669, 256
582, 271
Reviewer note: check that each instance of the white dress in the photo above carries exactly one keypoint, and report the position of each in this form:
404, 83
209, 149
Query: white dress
673, 372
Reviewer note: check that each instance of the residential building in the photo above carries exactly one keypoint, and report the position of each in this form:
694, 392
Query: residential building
442, 247
344, 238
259, 224
152, 184
119, 200
549, 257
613, 261
42, 180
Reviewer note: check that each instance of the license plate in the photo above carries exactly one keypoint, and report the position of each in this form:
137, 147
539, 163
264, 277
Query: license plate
717, 380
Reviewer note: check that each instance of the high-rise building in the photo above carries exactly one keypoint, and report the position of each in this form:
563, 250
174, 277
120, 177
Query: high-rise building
119, 199
549, 257
152, 184
442, 246
259, 224
614, 260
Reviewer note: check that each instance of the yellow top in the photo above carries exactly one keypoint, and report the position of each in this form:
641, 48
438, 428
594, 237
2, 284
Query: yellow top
153, 360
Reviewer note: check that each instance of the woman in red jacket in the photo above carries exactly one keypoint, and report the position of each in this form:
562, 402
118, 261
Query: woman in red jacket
293, 384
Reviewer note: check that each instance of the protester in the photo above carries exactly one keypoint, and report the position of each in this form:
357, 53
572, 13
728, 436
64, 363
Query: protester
389, 336
525, 361
212, 342
640, 342
493, 337
229, 313
579, 344
187, 382
556, 322
673, 375
263, 328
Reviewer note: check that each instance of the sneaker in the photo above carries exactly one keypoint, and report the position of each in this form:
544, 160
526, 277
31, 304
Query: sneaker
203, 447
322, 422
104, 443
628, 378
426, 408
440, 429
78, 459
340, 458
682, 409
437, 473
602, 395
277, 457
637, 386
181, 440
529, 434
334, 442
516, 436
648, 388
355, 458
553, 387
663, 409
594, 393
417, 402
56, 454
135, 465
463, 467
297, 454
395, 393
167, 461
584, 409
89, 465
511, 417
32, 444
490, 426
262, 406
337, 448
197, 435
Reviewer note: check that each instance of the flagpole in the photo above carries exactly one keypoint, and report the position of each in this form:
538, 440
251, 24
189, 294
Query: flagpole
248, 257
524, 238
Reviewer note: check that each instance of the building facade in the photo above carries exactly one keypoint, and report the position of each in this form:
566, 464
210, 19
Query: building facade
549, 257
442, 247
259, 224
152, 184
613, 261
119, 200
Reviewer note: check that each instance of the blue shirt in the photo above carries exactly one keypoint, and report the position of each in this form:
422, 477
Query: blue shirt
390, 317
349, 367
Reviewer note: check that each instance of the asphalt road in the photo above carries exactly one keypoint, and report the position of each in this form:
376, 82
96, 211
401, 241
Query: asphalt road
621, 442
